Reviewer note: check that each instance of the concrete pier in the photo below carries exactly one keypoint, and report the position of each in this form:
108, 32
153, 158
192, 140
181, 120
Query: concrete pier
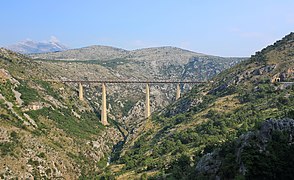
81, 92
103, 108
147, 110
147, 82
178, 94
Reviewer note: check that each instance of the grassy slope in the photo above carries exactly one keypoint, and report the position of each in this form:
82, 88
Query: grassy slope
238, 101
58, 136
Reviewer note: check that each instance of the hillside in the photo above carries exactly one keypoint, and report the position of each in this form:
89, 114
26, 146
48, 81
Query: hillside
197, 136
86, 53
238, 124
54, 135
126, 102
45, 128
105, 53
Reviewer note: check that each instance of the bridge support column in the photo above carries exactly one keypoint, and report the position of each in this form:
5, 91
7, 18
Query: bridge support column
147, 110
81, 92
104, 110
178, 94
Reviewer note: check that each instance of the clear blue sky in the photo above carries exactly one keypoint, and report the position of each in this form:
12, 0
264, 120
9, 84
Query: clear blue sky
217, 27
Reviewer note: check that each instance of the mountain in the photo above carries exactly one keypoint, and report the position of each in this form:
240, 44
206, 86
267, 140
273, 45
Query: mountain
86, 53
126, 102
51, 134
104, 53
46, 132
30, 47
237, 126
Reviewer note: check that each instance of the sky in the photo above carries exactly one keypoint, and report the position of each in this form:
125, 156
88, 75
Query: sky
215, 27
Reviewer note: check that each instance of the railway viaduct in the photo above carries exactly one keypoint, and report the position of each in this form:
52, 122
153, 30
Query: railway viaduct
147, 83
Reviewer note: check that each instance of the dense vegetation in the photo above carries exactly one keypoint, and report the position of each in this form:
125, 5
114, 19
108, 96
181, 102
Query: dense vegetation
82, 128
275, 162
241, 99
177, 152
43, 124
172, 144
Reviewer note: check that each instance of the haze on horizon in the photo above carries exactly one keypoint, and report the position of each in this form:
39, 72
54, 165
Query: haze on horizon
224, 28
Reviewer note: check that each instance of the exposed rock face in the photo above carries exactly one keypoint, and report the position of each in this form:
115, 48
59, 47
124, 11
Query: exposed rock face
209, 164
205, 67
267, 128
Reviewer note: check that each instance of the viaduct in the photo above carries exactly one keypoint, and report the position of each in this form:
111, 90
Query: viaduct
104, 82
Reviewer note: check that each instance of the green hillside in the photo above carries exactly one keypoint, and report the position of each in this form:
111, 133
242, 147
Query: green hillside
158, 63
54, 135
44, 127
238, 126
176, 142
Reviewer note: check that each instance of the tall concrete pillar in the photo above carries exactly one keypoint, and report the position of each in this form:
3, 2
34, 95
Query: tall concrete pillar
178, 94
104, 110
81, 92
147, 110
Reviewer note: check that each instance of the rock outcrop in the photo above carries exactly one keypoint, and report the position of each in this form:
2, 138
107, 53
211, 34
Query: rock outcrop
210, 164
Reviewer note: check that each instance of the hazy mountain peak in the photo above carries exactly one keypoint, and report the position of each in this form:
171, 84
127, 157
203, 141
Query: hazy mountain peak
54, 39
29, 46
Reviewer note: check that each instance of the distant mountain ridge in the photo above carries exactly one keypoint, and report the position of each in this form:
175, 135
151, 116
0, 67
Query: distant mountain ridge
99, 52
31, 47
